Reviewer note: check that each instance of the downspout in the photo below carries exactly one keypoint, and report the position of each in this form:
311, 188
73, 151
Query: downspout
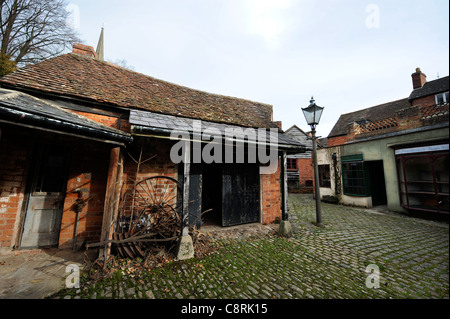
334, 157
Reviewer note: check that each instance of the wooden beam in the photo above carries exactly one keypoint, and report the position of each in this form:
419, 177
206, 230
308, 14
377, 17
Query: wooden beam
185, 248
186, 186
112, 197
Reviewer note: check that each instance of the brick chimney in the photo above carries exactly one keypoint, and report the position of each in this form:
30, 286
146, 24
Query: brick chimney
279, 124
418, 79
83, 49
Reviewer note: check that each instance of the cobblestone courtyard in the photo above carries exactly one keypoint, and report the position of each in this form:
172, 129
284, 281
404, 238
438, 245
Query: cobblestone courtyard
328, 262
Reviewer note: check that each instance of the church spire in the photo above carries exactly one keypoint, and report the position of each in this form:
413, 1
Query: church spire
100, 53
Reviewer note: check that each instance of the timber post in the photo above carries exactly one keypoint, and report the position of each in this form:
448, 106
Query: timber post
112, 198
185, 246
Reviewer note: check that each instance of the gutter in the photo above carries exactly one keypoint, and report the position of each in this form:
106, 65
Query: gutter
148, 131
16, 117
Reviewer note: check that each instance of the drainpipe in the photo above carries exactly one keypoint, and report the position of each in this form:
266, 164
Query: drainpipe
334, 157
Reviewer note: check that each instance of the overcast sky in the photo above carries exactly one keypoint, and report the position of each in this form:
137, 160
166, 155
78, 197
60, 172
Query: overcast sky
348, 54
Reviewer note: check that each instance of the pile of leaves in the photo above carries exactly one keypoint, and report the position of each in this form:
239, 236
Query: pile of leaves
204, 245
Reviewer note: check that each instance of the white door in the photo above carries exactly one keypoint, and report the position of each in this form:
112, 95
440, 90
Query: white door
46, 198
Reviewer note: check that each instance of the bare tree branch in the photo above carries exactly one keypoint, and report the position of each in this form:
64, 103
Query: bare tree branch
34, 30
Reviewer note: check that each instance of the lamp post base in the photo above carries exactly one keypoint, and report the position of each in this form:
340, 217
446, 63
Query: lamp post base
285, 229
185, 248
318, 224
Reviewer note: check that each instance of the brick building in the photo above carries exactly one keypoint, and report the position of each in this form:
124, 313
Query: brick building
300, 169
393, 154
77, 134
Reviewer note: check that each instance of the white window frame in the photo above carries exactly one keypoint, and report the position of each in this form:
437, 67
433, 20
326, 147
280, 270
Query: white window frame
445, 97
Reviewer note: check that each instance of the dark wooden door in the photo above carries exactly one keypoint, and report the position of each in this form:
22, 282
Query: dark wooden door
240, 194
46, 198
195, 195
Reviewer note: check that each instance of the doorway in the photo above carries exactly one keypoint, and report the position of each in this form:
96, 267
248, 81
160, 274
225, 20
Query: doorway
212, 194
240, 194
231, 194
377, 182
46, 197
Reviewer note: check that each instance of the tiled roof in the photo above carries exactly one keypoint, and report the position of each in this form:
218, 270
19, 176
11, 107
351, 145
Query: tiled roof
371, 114
389, 122
430, 88
90, 79
23, 109
169, 123
434, 111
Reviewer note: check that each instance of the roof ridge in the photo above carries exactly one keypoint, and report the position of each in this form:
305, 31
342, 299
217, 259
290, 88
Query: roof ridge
371, 107
339, 128
88, 79
295, 125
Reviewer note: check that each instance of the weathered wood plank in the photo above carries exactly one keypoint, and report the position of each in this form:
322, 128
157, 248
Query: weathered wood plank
186, 187
112, 196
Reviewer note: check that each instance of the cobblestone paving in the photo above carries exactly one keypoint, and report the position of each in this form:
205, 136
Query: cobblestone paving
317, 262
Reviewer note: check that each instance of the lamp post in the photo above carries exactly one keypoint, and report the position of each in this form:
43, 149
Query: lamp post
312, 115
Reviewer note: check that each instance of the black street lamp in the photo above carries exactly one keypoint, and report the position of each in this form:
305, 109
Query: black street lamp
312, 114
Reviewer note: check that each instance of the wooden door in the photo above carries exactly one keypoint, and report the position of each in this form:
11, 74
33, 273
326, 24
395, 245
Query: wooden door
46, 198
240, 194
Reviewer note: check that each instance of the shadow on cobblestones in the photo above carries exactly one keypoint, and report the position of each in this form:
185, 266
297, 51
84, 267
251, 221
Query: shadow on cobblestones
333, 262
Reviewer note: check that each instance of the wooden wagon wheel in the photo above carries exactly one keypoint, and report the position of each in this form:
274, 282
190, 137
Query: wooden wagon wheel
155, 210
158, 197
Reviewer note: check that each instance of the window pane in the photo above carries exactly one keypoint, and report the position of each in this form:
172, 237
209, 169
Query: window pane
418, 169
324, 176
353, 178
439, 99
291, 163
425, 185
51, 174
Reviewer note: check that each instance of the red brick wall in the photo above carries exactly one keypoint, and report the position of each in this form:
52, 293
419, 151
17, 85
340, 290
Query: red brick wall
305, 172
104, 119
425, 101
88, 173
156, 158
156, 154
13, 165
110, 121
88, 167
88, 170
338, 140
162, 165
271, 196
